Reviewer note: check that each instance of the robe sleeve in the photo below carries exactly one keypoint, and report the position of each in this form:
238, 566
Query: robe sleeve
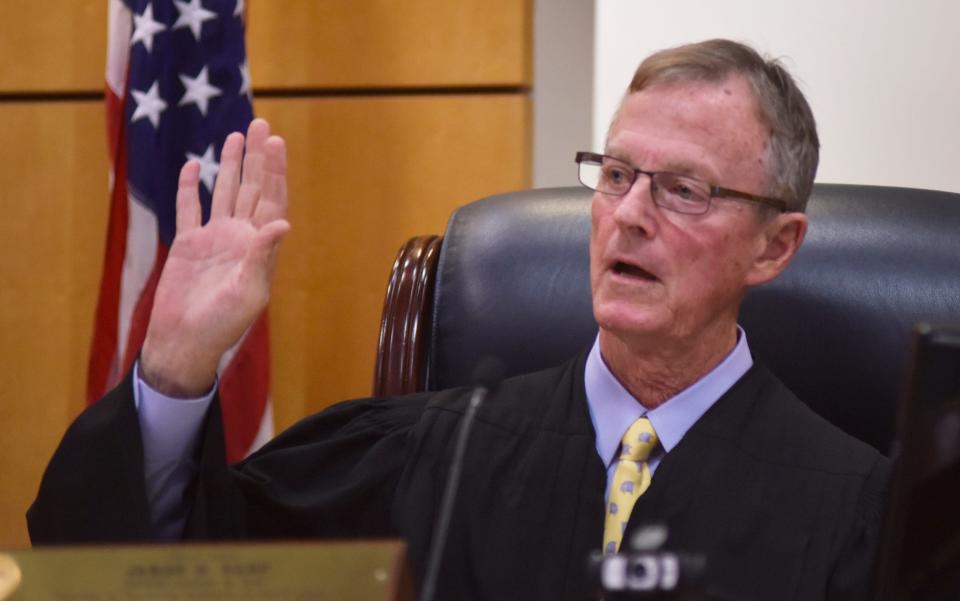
852, 577
93, 487
331, 475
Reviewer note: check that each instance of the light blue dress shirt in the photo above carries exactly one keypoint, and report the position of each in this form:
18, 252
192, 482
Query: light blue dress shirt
170, 430
613, 409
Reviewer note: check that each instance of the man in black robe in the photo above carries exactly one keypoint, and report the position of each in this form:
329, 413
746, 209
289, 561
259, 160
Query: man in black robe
699, 196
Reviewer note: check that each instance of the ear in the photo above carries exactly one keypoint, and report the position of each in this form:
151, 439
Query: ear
777, 244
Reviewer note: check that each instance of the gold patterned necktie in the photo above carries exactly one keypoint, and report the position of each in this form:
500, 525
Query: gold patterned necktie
630, 480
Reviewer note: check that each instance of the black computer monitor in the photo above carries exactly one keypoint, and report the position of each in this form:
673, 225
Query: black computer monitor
919, 555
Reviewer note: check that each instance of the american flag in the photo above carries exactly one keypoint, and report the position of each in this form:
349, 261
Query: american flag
177, 84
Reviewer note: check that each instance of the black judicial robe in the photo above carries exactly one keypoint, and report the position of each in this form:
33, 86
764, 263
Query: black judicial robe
784, 505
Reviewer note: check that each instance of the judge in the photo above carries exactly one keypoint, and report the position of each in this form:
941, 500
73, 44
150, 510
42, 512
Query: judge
699, 196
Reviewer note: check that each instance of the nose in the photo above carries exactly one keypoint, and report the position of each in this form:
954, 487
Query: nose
636, 209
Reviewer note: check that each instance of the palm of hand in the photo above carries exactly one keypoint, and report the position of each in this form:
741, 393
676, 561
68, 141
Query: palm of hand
216, 279
211, 282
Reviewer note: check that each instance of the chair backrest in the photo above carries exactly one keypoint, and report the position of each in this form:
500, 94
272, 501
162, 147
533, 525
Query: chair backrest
511, 280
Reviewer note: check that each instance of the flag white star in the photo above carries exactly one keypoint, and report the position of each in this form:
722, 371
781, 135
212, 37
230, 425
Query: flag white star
245, 84
209, 167
145, 28
198, 90
149, 105
238, 9
192, 15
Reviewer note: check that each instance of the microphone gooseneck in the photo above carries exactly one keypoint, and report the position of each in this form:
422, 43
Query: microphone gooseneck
485, 376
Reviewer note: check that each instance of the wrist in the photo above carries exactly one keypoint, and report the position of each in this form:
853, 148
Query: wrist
176, 374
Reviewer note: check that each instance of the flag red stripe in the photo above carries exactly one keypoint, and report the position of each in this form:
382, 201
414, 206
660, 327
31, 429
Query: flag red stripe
115, 124
244, 387
105, 343
141, 313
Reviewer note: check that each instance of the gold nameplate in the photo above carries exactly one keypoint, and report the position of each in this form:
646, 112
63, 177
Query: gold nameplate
342, 571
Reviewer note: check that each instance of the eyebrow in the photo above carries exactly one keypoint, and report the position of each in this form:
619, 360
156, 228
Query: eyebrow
677, 168
684, 169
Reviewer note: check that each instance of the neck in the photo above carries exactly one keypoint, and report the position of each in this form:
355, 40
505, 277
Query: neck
654, 371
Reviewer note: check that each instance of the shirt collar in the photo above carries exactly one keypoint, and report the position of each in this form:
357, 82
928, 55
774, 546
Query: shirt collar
613, 408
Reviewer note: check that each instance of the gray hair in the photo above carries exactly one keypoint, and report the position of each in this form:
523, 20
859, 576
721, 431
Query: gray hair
794, 145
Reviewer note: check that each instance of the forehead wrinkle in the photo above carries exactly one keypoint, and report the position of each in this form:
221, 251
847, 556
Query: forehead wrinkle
697, 164
722, 114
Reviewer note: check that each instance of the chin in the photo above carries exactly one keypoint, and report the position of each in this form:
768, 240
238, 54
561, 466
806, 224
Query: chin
627, 320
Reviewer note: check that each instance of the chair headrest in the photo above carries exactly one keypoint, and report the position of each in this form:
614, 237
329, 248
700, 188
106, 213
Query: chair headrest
513, 282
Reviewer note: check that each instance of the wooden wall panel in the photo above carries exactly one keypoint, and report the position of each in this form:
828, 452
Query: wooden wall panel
365, 175
389, 43
53, 177
60, 45
53, 45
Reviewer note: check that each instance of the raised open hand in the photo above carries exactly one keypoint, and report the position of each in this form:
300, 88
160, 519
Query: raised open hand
216, 279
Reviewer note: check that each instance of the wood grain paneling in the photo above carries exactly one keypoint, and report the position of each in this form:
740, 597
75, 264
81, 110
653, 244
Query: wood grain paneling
53, 177
365, 175
53, 45
389, 43
60, 45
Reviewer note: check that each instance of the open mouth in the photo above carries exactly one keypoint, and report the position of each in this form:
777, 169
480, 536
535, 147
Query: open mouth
626, 269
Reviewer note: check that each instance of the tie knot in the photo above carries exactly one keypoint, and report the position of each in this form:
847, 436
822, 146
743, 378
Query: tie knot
638, 441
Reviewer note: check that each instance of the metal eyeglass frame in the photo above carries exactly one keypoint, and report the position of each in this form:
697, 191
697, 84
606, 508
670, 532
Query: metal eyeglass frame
715, 191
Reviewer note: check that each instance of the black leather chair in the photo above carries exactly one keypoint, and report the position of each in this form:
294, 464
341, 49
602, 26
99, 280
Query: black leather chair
510, 278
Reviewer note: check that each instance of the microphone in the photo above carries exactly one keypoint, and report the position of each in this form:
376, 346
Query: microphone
485, 376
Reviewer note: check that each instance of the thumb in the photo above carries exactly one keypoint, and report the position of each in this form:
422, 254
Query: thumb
267, 243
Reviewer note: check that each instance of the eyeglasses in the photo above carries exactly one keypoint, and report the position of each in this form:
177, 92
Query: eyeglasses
670, 191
